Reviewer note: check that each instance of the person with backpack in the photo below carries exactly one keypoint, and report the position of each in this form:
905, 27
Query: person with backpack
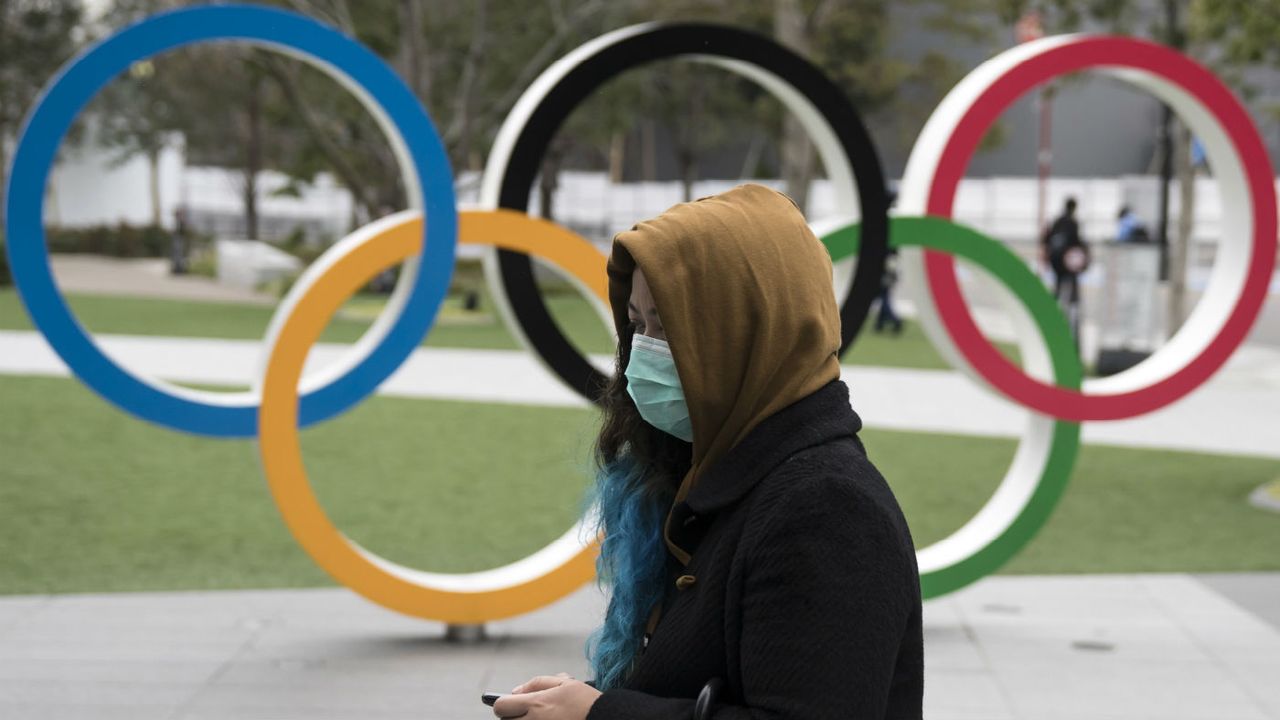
1068, 256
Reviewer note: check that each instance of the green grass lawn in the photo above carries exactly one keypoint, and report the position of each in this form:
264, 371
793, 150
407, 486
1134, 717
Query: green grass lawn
178, 318
91, 500
454, 327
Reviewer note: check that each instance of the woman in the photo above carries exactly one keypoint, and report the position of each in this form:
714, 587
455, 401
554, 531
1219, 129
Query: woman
747, 537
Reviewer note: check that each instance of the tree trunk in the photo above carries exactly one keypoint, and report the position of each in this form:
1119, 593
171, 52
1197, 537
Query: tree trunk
347, 173
414, 61
462, 129
687, 139
1174, 38
789, 28
688, 171
648, 150
1180, 247
549, 181
1164, 153
253, 155
153, 178
751, 158
4, 168
617, 155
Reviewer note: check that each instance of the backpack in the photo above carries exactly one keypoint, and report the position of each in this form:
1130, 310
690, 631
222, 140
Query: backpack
1060, 239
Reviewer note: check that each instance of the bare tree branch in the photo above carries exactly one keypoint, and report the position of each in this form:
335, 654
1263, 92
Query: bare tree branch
556, 11
288, 82
322, 12
460, 127
343, 11
821, 14
413, 58
537, 62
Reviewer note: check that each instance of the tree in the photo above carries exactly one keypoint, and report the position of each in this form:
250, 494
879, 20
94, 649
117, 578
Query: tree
223, 118
468, 62
35, 36
701, 110
141, 112
138, 115
1243, 32
1234, 36
849, 41
232, 117
446, 52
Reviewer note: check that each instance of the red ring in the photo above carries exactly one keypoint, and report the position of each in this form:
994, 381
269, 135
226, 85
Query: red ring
1073, 56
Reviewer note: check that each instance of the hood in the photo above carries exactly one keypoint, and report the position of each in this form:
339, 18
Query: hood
744, 291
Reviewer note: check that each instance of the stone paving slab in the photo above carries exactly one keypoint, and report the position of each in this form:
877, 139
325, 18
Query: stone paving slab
1173, 647
1252, 591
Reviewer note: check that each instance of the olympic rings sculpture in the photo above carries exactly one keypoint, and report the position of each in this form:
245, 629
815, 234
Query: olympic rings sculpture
423, 240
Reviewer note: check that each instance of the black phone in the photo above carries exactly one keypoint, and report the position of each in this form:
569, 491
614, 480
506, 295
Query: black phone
490, 698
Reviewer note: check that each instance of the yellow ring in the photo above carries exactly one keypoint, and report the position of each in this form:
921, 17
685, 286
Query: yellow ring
373, 577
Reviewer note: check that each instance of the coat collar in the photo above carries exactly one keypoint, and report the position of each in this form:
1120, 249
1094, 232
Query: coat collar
822, 416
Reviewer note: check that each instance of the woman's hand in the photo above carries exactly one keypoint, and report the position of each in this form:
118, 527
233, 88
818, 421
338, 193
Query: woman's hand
548, 697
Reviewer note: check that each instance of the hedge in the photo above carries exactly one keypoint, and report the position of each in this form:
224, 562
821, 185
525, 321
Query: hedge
121, 240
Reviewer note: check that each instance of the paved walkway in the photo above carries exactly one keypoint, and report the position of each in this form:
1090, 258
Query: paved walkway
144, 277
149, 277
1116, 647
1131, 647
1238, 411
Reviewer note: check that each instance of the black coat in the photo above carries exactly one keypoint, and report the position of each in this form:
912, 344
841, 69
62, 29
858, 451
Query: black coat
806, 598
1062, 235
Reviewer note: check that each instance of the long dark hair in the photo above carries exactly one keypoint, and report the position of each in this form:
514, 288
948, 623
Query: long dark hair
664, 458
639, 469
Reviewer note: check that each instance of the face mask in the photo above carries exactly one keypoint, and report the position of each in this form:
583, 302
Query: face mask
653, 384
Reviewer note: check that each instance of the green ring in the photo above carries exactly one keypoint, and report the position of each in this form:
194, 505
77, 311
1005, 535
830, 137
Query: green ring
957, 240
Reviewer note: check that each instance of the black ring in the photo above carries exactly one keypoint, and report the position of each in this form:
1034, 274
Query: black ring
658, 42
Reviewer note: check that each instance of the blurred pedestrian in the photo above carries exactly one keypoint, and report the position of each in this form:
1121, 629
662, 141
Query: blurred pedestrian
1068, 256
1129, 228
179, 240
885, 315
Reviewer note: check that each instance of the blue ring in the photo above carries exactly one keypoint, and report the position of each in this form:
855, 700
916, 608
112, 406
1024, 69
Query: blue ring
75, 86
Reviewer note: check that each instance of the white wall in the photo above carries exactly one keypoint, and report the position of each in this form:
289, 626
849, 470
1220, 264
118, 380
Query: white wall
89, 186
1003, 207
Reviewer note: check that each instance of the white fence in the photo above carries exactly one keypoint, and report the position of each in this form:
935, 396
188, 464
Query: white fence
88, 188
1004, 208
